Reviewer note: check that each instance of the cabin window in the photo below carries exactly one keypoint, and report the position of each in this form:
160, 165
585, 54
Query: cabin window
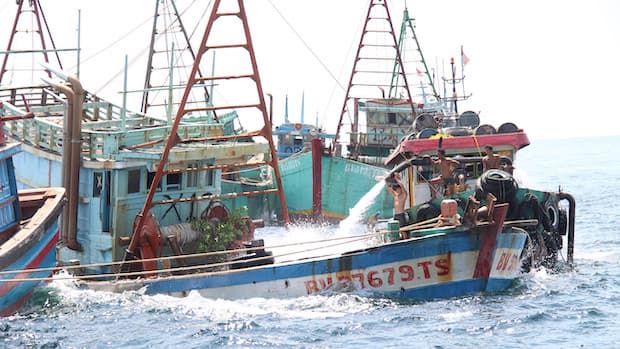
97, 184
192, 177
133, 181
173, 181
210, 179
391, 118
149, 179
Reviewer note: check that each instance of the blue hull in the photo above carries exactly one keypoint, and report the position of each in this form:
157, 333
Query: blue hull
42, 255
33, 247
436, 266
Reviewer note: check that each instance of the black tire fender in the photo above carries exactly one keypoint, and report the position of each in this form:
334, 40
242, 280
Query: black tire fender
553, 212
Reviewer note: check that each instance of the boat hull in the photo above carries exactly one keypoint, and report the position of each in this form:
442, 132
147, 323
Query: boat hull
31, 247
436, 266
344, 183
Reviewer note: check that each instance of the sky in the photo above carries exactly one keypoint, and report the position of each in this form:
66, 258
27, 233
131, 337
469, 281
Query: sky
551, 67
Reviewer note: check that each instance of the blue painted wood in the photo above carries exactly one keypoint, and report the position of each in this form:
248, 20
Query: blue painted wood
25, 245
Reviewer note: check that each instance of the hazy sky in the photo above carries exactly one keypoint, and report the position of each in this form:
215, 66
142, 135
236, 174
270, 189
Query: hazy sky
549, 66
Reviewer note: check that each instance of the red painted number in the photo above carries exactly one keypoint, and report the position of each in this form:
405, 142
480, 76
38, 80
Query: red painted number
407, 271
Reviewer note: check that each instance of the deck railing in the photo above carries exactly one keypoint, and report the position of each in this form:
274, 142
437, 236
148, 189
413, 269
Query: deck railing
105, 131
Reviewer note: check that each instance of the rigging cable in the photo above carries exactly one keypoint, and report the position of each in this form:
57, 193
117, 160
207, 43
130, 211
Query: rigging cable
338, 84
306, 44
133, 60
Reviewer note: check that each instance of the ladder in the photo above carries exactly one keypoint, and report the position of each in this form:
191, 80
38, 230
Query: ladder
373, 67
41, 40
251, 101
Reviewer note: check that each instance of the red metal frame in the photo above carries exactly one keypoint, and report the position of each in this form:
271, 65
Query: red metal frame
359, 57
174, 139
38, 16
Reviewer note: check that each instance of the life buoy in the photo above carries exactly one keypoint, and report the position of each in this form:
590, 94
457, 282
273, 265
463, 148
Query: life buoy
424, 121
530, 208
485, 129
458, 131
507, 127
426, 133
469, 119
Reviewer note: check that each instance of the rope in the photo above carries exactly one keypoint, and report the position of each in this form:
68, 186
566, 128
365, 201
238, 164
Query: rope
351, 238
168, 270
418, 224
477, 144
206, 254
307, 46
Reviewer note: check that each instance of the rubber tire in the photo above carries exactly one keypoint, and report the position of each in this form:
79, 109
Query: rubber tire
499, 183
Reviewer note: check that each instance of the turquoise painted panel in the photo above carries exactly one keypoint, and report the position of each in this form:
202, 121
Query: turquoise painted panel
345, 182
8, 195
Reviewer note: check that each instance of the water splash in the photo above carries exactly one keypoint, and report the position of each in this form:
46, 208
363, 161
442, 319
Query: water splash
356, 214
74, 299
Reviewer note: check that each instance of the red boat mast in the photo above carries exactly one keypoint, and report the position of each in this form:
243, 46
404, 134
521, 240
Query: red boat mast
41, 29
378, 46
210, 42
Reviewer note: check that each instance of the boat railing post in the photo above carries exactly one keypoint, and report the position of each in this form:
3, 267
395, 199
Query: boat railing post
79, 40
124, 108
317, 179
66, 154
170, 87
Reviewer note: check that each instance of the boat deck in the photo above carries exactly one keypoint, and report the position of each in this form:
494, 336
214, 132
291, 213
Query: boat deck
107, 131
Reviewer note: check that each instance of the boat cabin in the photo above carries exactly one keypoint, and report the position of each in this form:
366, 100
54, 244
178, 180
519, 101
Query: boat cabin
293, 138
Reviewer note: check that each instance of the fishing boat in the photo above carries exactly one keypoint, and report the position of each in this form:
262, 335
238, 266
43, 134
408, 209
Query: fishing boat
478, 242
327, 184
296, 137
29, 231
106, 156
396, 112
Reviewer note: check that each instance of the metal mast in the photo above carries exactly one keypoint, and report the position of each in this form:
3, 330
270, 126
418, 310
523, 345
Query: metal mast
421, 71
169, 64
42, 34
372, 68
251, 100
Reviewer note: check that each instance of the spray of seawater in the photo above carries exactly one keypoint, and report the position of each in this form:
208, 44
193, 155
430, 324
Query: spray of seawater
73, 298
293, 243
352, 223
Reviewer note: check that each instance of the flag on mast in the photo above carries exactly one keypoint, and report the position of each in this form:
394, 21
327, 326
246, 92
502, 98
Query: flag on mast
464, 58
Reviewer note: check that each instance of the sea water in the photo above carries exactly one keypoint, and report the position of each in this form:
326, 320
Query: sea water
577, 308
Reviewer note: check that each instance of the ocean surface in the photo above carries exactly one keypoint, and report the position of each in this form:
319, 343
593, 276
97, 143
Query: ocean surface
578, 308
